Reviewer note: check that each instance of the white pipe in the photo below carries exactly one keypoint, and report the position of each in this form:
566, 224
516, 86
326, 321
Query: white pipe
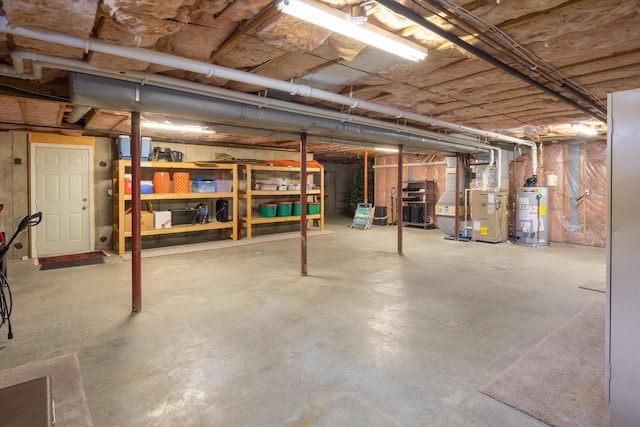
210, 70
466, 212
410, 164
499, 187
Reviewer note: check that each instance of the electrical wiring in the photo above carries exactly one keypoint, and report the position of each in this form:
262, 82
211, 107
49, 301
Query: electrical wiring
6, 303
498, 39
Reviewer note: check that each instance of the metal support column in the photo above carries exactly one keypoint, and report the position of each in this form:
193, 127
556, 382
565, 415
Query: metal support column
366, 176
136, 238
303, 203
457, 206
399, 197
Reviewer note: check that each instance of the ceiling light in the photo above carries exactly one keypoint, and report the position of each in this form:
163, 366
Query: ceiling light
339, 22
386, 150
585, 130
176, 128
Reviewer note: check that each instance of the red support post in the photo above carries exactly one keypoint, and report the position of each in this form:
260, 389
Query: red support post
303, 203
366, 177
457, 207
136, 237
399, 197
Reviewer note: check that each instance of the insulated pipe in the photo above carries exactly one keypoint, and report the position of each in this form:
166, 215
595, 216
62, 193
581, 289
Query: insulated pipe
77, 113
210, 70
116, 94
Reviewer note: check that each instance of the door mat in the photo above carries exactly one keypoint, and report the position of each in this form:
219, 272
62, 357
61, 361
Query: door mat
560, 381
67, 390
73, 260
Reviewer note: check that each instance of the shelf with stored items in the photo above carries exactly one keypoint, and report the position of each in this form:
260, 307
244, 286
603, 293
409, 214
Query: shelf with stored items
121, 202
418, 202
257, 184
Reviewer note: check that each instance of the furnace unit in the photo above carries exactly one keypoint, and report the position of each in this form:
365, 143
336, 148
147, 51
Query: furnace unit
490, 217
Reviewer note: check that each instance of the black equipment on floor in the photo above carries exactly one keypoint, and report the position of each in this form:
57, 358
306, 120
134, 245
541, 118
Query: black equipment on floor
222, 210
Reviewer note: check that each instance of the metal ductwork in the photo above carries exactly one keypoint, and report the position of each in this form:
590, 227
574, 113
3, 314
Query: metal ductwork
115, 94
446, 205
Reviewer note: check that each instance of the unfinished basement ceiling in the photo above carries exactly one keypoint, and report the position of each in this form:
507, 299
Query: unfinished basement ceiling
561, 59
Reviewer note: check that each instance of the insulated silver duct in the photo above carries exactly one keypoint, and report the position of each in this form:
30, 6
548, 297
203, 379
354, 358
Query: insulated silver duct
131, 96
446, 206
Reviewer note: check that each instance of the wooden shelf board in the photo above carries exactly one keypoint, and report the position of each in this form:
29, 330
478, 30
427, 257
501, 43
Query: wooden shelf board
257, 193
264, 220
180, 196
279, 168
180, 165
184, 229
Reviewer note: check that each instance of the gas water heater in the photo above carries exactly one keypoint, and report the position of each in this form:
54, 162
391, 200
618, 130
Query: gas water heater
531, 222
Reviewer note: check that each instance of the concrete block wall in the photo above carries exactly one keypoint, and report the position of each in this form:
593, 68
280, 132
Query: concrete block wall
14, 190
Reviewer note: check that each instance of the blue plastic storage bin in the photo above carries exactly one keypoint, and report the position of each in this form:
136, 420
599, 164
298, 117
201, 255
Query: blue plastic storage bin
146, 187
124, 147
203, 186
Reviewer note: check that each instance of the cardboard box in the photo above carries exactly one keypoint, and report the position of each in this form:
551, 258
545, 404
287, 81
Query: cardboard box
162, 219
146, 221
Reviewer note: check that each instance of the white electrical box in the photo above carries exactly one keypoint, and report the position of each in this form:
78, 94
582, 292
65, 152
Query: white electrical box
490, 216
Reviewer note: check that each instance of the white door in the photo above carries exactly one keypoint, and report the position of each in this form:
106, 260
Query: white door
62, 183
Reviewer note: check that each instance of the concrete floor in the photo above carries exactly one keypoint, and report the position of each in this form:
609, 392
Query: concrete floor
236, 337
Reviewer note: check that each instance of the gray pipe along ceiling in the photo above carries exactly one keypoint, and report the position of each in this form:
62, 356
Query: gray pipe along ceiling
102, 92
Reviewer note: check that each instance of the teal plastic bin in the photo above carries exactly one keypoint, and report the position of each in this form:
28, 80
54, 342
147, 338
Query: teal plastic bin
284, 208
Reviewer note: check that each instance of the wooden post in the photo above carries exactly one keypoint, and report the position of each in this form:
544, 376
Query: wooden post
136, 238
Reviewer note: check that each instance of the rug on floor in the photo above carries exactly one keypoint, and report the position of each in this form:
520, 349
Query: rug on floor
560, 381
73, 260
71, 406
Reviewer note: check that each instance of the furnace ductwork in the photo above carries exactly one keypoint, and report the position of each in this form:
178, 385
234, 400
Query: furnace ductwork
446, 206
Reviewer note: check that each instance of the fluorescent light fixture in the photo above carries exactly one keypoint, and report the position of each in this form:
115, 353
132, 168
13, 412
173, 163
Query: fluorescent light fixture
386, 150
339, 22
585, 130
175, 128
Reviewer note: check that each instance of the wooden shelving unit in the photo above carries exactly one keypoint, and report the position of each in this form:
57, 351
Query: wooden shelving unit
121, 200
250, 216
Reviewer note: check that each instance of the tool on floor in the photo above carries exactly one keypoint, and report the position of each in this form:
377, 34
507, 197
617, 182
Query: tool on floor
6, 303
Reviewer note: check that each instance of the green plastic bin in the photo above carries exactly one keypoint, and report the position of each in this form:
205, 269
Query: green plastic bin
295, 208
313, 208
284, 208
268, 210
